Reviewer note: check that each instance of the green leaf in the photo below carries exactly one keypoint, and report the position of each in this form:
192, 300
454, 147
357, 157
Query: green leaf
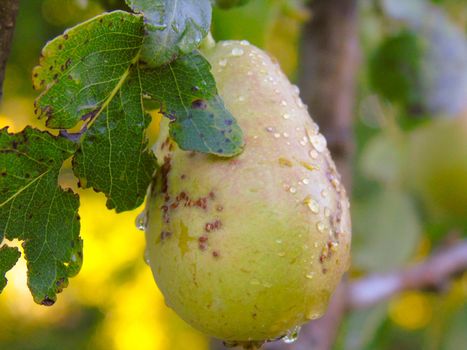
8, 258
37, 211
208, 127
187, 92
386, 230
174, 27
100, 83
383, 158
226, 4
114, 155
395, 68
84, 68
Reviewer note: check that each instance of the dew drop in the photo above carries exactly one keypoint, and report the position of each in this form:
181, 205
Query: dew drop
324, 194
285, 134
279, 241
292, 190
223, 63
295, 89
312, 205
146, 257
310, 275
319, 142
286, 116
140, 221
333, 247
237, 51
306, 181
327, 212
284, 103
281, 254
320, 226
277, 135
244, 42
312, 315
292, 335
313, 154
241, 98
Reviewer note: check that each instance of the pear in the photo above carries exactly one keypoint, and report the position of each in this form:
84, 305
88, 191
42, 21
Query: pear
437, 167
246, 248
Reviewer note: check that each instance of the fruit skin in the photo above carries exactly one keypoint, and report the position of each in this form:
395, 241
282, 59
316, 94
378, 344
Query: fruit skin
235, 244
438, 167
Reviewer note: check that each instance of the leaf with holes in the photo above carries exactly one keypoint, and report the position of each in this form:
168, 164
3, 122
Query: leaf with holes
187, 91
85, 67
36, 210
91, 73
174, 27
114, 156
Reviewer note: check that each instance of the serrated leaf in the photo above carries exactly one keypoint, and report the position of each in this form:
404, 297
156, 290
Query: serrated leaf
174, 27
37, 211
83, 68
200, 121
114, 156
8, 258
99, 82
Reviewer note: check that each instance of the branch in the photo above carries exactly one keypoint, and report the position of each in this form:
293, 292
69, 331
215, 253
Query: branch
433, 272
8, 12
329, 63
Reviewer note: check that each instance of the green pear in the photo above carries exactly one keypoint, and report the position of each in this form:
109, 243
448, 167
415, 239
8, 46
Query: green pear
246, 248
438, 166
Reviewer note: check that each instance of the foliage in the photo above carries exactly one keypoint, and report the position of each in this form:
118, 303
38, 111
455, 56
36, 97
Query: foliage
95, 78
426, 72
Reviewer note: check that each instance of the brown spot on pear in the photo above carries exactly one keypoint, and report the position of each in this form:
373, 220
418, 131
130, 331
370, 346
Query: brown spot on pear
259, 273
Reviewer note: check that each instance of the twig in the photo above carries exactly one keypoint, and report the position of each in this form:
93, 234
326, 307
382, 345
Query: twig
8, 12
433, 272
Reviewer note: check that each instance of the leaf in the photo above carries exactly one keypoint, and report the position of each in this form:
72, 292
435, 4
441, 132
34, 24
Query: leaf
210, 128
226, 4
174, 27
100, 83
200, 121
114, 156
442, 82
386, 231
37, 211
8, 258
395, 68
84, 68
362, 325
383, 158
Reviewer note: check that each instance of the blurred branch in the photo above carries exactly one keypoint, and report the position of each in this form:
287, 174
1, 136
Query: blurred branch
329, 62
433, 272
8, 12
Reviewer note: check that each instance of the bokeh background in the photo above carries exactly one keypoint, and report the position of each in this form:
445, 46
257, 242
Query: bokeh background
409, 181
